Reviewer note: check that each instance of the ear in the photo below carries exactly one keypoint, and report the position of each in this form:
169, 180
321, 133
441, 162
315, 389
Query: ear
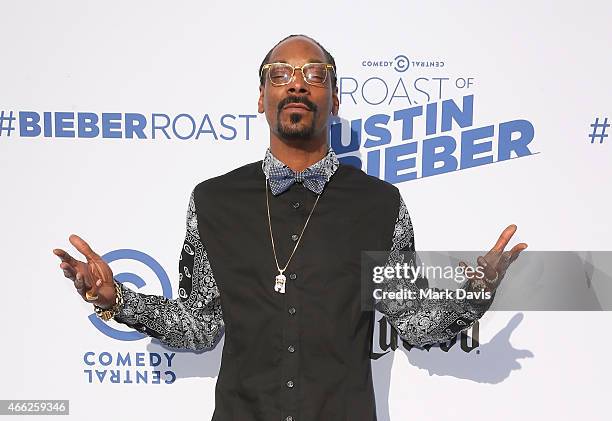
260, 107
335, 102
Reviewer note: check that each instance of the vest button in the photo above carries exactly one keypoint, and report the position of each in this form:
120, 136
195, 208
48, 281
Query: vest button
295, 237
290, 384
292, 276
291, 310
291, 348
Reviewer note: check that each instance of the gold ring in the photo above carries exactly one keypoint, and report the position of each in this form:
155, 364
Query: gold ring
90, 297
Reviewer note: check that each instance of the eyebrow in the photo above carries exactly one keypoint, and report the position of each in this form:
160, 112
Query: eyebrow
310, 60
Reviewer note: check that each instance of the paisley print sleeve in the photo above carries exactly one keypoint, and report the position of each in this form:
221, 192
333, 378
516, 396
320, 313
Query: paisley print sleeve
422, 321
193, 320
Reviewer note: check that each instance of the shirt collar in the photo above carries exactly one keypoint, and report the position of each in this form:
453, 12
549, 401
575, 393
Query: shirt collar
326, 165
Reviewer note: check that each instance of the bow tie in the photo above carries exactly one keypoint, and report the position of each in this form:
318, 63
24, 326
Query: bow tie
283, 178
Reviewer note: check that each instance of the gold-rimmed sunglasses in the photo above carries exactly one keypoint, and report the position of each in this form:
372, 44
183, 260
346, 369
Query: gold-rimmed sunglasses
282, 73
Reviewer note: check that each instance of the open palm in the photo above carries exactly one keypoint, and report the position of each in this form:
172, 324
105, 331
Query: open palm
92, 279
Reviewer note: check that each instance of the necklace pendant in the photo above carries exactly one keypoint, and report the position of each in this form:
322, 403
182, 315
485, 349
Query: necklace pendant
279, 285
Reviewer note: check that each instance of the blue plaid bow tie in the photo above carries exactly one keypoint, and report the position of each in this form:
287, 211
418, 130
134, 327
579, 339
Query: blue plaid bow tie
283, 178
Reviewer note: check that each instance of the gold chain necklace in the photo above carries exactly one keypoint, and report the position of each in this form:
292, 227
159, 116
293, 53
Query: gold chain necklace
279, 283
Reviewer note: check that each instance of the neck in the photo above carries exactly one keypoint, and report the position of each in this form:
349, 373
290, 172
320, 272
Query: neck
298, 154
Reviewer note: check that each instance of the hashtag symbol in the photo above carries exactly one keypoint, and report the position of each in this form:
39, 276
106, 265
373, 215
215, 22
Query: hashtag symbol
599, 134
6, 123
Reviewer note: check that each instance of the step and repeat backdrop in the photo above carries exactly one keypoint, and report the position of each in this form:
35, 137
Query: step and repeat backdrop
482, 114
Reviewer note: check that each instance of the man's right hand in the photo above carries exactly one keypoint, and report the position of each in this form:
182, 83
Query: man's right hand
93, 278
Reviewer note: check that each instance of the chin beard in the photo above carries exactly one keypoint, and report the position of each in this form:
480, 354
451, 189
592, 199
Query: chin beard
294, 130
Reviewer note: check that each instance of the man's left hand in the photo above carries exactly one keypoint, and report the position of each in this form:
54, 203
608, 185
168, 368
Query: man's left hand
495, 263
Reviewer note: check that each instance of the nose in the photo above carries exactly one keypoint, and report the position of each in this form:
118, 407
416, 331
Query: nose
297, 83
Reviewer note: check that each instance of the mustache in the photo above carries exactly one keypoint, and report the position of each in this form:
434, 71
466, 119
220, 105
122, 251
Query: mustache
297, 100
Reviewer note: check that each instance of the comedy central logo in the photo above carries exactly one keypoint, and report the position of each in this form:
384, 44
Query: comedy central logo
137, 282
400, 63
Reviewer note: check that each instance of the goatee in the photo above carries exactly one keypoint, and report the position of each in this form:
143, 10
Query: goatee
295, 130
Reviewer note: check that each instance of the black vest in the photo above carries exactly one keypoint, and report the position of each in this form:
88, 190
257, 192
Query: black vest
303, 355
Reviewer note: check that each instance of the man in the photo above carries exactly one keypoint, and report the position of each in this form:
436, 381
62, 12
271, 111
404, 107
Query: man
272, 258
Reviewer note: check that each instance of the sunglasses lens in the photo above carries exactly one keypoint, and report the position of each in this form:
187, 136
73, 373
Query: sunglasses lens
280, 73
315, 73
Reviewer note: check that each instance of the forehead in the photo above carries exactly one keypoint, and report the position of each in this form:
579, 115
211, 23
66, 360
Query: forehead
297, 50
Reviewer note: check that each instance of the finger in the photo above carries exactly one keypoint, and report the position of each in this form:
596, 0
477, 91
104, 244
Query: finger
78, 283
504, 261
504, 238
69, 274
489, 271
506, 255
516, 250
66, 267
65, 256
82, 246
